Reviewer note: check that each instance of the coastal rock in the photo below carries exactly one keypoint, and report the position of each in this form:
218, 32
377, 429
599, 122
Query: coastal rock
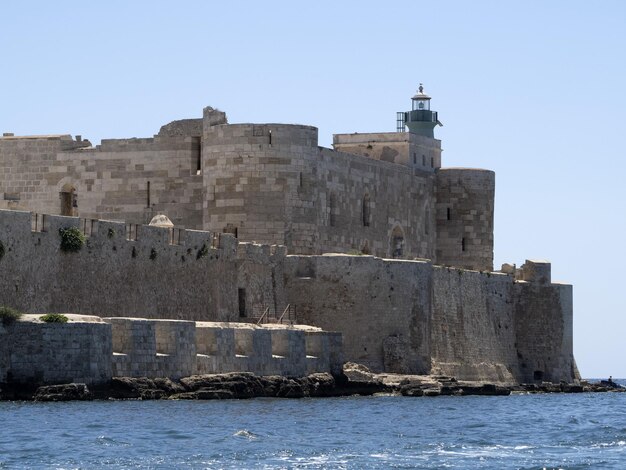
65, 392
142, 388
239, 384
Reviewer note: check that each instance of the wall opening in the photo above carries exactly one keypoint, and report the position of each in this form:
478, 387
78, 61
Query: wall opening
427, 222
242, 302
538, 375
366, 210
232, 229
196, 152
397, 242
463, 244
414, 158
423, 160
69, 200
333, 210
448, 213
148, 194
432, 162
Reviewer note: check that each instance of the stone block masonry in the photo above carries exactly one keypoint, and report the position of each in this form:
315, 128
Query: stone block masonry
395, 315
374, 193
91, 350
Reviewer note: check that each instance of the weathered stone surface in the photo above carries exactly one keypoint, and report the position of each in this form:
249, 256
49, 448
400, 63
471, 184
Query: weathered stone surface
67, 392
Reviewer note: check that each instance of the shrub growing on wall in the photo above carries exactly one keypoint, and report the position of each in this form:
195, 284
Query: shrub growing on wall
72, 239
8, 315
54, 318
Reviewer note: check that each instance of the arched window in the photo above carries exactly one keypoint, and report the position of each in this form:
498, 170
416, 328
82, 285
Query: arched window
366, 210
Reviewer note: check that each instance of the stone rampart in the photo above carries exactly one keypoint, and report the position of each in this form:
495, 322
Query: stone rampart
413, 317
396, 315
92, 350
122, 269
36, 352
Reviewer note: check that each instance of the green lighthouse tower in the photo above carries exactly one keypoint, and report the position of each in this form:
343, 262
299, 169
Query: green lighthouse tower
420, 120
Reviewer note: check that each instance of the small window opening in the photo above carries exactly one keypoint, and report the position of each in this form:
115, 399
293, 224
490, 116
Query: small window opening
427, 222
463, 244
414, 159
300, 179
448, 213
270, 134
423, 160
196, 148
148, 194
432, 162
366, 210
332, 217
242, 302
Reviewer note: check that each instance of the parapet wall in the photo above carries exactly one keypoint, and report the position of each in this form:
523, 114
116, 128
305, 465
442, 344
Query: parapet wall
122, 269
92, 350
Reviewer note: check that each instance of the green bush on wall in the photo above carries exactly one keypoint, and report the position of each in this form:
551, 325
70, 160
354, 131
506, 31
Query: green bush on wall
54, 318
72, 239
8, 315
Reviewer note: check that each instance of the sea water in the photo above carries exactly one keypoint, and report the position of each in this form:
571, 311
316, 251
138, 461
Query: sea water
519, 431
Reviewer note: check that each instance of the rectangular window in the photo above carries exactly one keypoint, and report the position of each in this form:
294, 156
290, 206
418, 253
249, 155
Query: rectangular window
196, 151
463, 244
242, 302
448, 213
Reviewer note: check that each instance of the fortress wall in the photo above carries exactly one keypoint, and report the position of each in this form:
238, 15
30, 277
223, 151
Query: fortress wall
110, 275
465, 206
473, 325
313, 200
404, 148
544, 331
382, 307
401, 207
92, 350
412, 317
28, 171
56, 352
112, 181
109, 181
260, 280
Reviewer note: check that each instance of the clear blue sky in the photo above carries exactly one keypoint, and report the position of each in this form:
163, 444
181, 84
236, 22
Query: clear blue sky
534, 90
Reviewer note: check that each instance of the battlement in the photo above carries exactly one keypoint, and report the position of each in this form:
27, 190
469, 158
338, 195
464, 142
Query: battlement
163, 241
91, 350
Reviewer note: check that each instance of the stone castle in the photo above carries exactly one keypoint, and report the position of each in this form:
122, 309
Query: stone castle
265, 220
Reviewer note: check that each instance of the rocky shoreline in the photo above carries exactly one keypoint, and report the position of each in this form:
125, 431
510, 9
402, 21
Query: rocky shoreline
356, 380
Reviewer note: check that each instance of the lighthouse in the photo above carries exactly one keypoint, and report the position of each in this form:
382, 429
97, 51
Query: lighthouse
420, 120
